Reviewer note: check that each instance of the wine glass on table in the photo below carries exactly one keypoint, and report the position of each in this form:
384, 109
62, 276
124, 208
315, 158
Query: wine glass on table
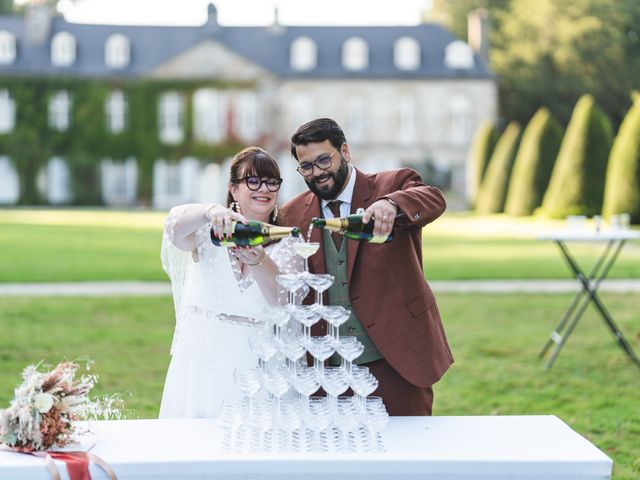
375, 418
248, 382
363, 383
317, 419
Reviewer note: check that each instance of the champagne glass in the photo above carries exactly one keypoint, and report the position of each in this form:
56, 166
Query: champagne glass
336, 315
375, 418
293, 348
321, 348
305, 250
335, 382
276, 382
263, 347
307, 315
363, 384
317, 419
349, 349
320, 283
248, 381
290, 282
278, 316
346, 418
288, 421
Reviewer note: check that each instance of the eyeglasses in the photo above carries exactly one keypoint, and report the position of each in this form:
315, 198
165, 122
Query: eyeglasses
254, 183
322, 162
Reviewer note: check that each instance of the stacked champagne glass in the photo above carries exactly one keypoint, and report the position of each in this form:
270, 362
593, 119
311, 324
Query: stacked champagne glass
279, 411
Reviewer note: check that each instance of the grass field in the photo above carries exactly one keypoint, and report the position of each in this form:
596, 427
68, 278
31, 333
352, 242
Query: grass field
57, 245
495, 340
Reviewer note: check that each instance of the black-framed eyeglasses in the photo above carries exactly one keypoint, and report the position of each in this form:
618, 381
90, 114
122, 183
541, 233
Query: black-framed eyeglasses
322, 162
254, 183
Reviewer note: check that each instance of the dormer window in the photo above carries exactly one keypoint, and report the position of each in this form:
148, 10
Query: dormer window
63, 49
59, 110
406, 54
116, 109
7, 48
117, 51
458, 55
355, 54
7, 111
303, 54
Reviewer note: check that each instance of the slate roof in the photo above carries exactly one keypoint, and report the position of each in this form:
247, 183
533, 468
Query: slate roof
151, 46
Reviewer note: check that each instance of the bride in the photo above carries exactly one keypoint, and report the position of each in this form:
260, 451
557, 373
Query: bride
220, 293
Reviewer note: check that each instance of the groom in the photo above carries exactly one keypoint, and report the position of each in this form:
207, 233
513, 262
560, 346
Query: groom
393, 311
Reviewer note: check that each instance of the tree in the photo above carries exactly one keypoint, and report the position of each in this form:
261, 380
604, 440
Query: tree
534, 163
577, 180
484, 141
493, 190
622, 186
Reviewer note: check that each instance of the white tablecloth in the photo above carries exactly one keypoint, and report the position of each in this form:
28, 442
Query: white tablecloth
444, 448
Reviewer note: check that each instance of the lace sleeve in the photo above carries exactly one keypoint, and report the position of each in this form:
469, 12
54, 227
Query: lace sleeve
285, 257
175, 262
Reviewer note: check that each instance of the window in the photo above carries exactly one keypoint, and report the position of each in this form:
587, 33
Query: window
407, 118
458, 55
116, 110
171, 118
59, 110
209, 115
356, 118
247, 116
301, 111
459, 119
7, 112
406, 54
355, 54
7, 48
117, 51
303, 55
63, 49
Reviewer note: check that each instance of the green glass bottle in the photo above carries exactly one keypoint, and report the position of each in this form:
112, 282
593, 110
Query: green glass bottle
253, 233
352, 228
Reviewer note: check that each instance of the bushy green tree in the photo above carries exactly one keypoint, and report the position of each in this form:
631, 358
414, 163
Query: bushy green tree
622, 186
534, 163
484, 141
493, 189
577, 180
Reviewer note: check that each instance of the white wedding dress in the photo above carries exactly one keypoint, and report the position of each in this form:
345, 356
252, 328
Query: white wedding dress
216, 312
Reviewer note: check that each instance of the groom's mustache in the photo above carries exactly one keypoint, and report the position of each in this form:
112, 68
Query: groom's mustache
320, 178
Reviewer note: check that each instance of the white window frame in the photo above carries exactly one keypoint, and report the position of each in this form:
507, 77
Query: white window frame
116, 111
459, 112
406, 54
63, 49
117, 51
171, 118
458, 55
355, 54
209, 115
7, 47
7, 111
303, 54
60, 111
246, 118
407, 118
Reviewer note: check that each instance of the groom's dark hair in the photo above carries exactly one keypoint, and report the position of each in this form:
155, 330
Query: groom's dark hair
317, 131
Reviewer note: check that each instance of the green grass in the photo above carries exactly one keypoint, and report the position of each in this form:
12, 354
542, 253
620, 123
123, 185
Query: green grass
71, 245
495, 339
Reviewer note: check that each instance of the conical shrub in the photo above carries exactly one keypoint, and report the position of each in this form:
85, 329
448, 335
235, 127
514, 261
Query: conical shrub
484, 141
534, 163
493, 189
622, 186
577, 181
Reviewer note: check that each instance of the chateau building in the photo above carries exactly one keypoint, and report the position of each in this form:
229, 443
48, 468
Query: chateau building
129, 115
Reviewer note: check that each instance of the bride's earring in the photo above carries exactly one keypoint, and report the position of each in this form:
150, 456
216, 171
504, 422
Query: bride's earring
274, 214
235, 207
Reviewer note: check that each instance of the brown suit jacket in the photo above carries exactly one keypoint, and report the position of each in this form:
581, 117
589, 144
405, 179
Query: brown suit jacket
387, 288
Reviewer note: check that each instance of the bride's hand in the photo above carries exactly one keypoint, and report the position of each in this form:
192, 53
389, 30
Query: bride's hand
252, 256
222, 219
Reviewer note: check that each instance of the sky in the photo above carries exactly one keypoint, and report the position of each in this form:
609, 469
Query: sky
244, 12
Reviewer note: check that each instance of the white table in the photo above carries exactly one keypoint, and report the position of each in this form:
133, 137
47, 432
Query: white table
443, 448
614, 240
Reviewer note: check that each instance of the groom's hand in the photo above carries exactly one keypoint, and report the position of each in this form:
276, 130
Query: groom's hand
384, 214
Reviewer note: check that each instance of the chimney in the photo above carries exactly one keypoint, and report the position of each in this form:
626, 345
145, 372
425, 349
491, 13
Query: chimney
479, 26
212, 18
38, 18
276, 27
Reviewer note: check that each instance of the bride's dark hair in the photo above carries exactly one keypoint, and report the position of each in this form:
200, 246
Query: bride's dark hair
252, 161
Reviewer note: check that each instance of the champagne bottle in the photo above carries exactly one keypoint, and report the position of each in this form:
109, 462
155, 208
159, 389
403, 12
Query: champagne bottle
253, 233
352, 228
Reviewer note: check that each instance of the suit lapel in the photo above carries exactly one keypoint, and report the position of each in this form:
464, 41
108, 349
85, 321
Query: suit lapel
360, 199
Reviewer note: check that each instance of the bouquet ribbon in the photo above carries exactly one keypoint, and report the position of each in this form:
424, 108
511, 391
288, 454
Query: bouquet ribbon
77, 463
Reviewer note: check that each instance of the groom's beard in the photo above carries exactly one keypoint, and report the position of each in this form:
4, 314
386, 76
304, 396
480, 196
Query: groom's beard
326, 192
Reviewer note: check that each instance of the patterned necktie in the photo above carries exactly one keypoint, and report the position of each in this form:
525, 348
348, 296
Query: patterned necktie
334, 206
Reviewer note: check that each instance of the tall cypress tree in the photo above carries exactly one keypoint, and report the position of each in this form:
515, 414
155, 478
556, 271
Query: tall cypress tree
484, 141
493, 190
622, 186
577, 180
534, 163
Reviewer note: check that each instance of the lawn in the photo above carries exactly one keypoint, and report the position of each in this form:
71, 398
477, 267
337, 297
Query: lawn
495, 340
58, 245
